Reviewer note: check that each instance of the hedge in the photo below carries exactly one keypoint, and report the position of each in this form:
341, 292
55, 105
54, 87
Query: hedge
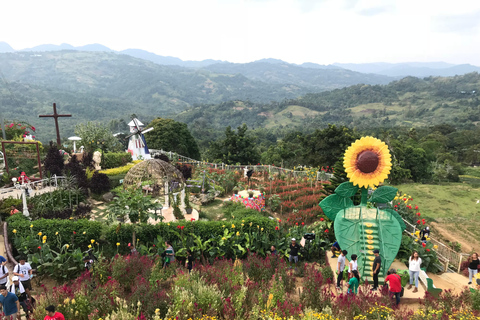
5, 206
115, 159
85, 230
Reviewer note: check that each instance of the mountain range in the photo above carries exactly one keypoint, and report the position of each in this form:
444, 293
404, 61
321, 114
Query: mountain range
392, 70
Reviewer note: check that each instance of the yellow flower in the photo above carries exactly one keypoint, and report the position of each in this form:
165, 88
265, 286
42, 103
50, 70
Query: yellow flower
31, 226
224, 238
56, 233
168, 224
223, 226
73, 301
67, 246
92, 241
367, 162
66, 301
261, 229
157, 311
428, 239
233, 226
84, 232
242, 224
118, 243
238, 233
258, 227
44, 238
89, 246
416, 240
435, 247
14, 231
43, 241
251, 224
40, 234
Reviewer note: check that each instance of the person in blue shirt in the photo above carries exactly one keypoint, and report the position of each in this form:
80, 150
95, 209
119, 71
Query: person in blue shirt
335, 248
9, 302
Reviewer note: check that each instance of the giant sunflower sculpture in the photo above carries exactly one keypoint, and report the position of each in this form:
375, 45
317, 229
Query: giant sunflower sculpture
367, 162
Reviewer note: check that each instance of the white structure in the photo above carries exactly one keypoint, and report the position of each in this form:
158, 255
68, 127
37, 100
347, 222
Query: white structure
23, 186
74, 139
137, 146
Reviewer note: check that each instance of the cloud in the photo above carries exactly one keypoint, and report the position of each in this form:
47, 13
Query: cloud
463, 24
373, 11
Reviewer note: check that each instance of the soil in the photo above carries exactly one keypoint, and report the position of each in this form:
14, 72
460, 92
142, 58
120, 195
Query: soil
450, 233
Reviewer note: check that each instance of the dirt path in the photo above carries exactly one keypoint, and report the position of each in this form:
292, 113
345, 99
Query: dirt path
451, 233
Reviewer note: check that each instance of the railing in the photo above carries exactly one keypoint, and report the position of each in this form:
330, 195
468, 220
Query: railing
321, 175
38, 185
444, 253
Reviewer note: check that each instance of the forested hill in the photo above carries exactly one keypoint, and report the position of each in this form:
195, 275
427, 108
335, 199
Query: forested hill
408, 102
103, 86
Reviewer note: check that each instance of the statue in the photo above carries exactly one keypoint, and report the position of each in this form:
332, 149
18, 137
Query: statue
97, 159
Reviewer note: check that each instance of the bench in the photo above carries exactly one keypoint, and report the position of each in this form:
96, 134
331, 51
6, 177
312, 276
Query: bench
428, 283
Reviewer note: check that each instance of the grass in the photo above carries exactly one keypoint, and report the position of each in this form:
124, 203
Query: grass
454, 205
213, 210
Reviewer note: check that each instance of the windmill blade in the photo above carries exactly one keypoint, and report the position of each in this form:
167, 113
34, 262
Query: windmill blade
131, 134
136, 124
147, 130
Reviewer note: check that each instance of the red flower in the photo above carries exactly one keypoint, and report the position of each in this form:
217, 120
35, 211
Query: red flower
109, 278
321, 219
33, 128
418, 221
39, 248
395, 206
154, 244
418, 214
404, 199
296, 223
178, 227
277, 228
423, 222
416, 207
303, 223
424, 245
74, 232
193, 219
428, 250
11, 125
326, 230
279, 220
182, 227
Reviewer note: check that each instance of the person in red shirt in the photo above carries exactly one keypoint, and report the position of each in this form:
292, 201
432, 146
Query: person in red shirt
52, 315
395, 284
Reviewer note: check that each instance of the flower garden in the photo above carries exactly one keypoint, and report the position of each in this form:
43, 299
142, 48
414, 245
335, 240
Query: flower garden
235, 274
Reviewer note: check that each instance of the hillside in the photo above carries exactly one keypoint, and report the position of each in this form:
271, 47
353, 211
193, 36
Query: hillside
407, 102
102, 86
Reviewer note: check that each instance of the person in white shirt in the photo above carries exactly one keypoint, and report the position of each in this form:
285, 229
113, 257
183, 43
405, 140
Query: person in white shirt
3, 273
23, 270
352, 265
340, 268
414, 263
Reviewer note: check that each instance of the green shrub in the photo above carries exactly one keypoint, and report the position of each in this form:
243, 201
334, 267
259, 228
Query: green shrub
115, 159
5, 205
78, 232
115, 180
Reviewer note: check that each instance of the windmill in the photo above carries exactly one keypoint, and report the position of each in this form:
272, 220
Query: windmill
137, 145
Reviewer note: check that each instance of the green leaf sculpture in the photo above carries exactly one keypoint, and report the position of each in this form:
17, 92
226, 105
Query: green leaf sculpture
361, 229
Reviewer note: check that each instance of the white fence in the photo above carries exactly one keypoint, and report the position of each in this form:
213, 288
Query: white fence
37, 187
321, 175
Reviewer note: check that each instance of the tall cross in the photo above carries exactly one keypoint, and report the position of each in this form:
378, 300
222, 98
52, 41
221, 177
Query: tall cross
55, 115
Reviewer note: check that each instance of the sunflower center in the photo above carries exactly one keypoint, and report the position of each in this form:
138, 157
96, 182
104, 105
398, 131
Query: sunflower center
367, 161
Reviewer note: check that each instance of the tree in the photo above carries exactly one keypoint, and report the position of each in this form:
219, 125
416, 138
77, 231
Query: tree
174, 136
327, 146
237, 147
97, 136
53, 163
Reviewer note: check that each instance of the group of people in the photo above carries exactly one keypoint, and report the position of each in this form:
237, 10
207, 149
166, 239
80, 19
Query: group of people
393, 280
15, 291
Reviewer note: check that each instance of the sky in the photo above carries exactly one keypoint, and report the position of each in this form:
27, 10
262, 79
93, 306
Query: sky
296, 31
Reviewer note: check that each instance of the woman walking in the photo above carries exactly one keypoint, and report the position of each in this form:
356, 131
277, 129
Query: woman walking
414, 263
472, 266
352, 265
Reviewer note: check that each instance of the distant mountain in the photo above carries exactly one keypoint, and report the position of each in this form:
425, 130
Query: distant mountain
318, 79
104, 85
50, 47
5, 47
169, 61
415, 69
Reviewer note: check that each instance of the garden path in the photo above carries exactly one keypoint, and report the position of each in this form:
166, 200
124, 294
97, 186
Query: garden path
17, 194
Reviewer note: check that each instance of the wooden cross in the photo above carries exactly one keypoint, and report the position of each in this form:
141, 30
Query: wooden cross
55, 115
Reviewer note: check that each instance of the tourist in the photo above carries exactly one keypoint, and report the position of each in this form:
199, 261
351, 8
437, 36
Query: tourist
24, 271
273, 250
377, 263
13, 210
353, 283
294, 249
52, 315
352, 266
472, 266
341, 268
132, 249
9, 303
169, 254
17, 288
189, 261
335, 248
414, 263
395, 284
3, 273
424, 234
